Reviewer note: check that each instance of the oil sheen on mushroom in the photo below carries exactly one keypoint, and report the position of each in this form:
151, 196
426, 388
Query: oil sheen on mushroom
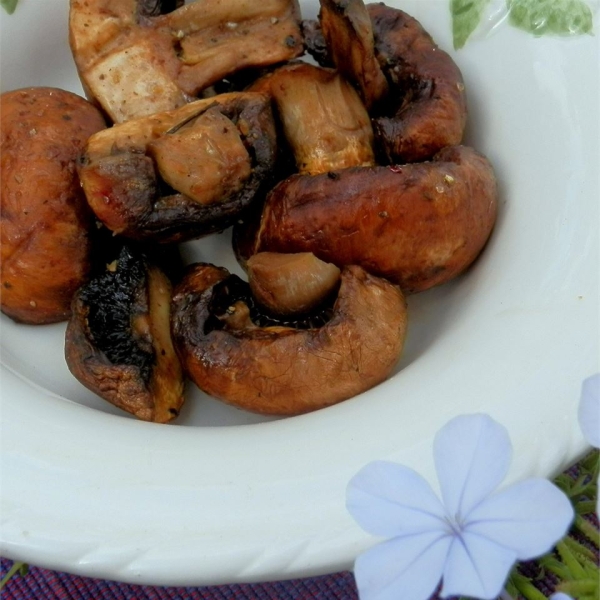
181, 174
286, 369
418, 225
118, 341
140, 57
426, 108
45, 242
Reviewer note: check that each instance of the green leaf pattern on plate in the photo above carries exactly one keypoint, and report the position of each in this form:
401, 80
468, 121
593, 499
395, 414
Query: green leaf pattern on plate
466, 15
559, 17
9, 5
539, 17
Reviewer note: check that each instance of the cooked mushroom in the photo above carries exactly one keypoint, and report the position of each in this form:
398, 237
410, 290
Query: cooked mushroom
118, 341
288, 284
348, 33
418, 225
283, 370
323, 118
426, 109
136, 61
181, 174
45, 226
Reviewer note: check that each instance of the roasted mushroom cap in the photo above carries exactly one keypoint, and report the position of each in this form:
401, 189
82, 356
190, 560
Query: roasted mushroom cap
182, 174
418, 225
118, 341
324, 120
44, 230
426, 108
282, 370
136, 61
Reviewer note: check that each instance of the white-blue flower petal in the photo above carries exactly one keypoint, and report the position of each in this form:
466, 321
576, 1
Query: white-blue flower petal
560, 596
528, 517
476, 567
387, 499
408, 567
589, 410
472, 454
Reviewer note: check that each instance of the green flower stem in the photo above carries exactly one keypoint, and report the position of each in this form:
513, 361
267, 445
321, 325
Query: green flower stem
587, 529
17, 567
577, 571
579, 550
579, 588
525, 588
555, 566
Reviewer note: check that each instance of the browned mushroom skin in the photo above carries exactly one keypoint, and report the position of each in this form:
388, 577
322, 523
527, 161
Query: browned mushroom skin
45, 239
348, 34
139, 57
118, 341
418, 225
426, 109
282, 370
124, 188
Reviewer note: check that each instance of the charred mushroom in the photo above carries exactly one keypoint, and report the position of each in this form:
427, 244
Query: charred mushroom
426, 109
45, 226
139, 57
181, 174
118, 341
279, 369
418, 225
323, 118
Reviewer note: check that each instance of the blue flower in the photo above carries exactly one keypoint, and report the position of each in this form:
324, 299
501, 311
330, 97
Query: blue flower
560, 596
589, 416
471, 537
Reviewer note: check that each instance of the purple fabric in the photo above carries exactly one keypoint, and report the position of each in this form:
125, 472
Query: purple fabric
50, 585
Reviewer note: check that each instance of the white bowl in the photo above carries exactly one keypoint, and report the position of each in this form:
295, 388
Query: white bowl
225, 496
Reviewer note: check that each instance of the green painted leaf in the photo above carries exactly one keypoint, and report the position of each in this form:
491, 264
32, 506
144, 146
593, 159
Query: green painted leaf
466, 15
559, 17
9, 5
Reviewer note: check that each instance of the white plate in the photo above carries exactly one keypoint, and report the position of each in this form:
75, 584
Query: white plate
225, 496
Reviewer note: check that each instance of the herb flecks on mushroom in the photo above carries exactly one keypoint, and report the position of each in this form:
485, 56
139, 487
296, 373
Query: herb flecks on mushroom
282, 369
118, 341
181, 174
135, 60
418, 225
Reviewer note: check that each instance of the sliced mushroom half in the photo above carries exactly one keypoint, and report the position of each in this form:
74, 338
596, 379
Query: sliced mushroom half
231, 352
324, 120
181, 174
118, 341
139, 57
348, 33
